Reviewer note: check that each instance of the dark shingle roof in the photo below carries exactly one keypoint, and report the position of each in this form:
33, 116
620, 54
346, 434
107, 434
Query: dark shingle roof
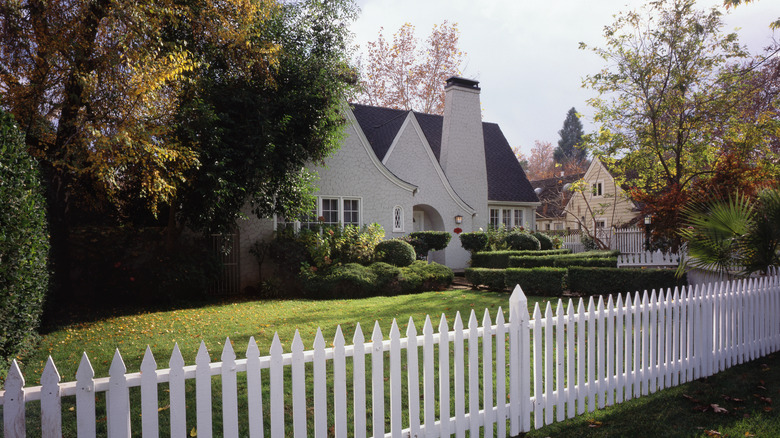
506, 179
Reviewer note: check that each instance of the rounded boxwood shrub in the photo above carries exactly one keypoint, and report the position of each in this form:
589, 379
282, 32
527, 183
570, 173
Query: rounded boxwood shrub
395, 252
522, 241
544, 240
24, 244
431, 241
473, 242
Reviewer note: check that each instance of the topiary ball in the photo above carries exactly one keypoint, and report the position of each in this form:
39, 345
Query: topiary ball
522, 241
395, 252
544, 241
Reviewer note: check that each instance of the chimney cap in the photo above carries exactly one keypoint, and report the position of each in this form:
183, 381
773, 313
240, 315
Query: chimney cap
462, 82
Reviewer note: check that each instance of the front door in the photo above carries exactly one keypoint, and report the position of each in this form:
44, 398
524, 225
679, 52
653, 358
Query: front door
419, 220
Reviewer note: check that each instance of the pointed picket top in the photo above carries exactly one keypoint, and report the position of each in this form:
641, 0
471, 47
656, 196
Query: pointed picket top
637, 299
14, 380
427, 327
297, 343
276, 346
610, 303
538, 312
411, 330
548, 313
228, 355
50, 375
675, 296
559, 307
628, 302
376, 336
619, 301
85, 370
203, 354
486, 321
358, 337
338, 339
148, 364
591, 305
473, 323
176, 361
319, 341
600, 303
581, 307
117, 365
500, 316
394, 331
518, 297
653, 298
458, 325
252, 349
443, 326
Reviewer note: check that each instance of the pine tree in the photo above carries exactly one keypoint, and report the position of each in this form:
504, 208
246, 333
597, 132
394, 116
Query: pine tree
568, 150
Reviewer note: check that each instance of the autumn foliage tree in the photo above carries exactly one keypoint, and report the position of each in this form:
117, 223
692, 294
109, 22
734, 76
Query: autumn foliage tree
405, 74
540, 162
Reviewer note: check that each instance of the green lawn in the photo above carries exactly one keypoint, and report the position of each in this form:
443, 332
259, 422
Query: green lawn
745, 391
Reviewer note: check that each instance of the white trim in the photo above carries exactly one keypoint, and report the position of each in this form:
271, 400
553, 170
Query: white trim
374, 159
410, 118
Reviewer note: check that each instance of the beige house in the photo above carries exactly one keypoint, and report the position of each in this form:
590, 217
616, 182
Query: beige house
601, 204
551, 215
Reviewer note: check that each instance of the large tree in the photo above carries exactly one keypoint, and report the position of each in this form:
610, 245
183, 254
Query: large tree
540, 163
401, 75
571, 152
672, 102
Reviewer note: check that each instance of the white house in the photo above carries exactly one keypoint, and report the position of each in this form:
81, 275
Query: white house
410, 171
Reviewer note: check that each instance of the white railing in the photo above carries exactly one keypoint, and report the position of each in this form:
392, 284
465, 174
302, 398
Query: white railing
648, 258
585, 356
625, 240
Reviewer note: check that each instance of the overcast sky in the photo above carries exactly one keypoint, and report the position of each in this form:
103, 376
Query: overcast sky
525, 53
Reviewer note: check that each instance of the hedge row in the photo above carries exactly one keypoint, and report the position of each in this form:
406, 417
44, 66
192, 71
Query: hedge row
500, 259
561, 262
353, 280
590, 281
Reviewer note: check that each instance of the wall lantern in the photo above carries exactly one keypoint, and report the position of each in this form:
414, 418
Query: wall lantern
648, 219
458, 219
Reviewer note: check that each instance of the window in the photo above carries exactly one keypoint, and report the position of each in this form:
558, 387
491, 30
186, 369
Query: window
518, 218
547, 227
600, 223
330, 211
398, 219
558, 226
506, 218
597, 189
494, 218
351, 212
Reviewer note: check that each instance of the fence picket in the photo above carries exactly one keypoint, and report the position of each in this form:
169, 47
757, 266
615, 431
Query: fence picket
298, 379
150, 426
118, 399
473, 375
600, 382
487, 375
276, 380
176, 393
444, 378
254, 389
666, 327
203, 392
570, 370
581, 383
653, 345
637, 343
429, 397
377, 382
340, 385
13, 403
413, 378
85, 398
395, 381
620, 329
51, 409
515, 303
501, 414
359, 382
644, 373
538, 371
628, 340
460, 378
229, 391
549, 398
591, 346
559, 376
320, 382
610, 384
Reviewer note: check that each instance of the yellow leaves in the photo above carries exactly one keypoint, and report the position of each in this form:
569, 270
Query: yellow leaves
194, 431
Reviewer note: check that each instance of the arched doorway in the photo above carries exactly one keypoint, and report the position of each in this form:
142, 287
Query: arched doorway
427, 218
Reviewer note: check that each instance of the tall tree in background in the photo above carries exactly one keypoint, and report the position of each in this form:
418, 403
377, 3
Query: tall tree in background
401, 75
521, 158
570, 152
540, 163
674, 107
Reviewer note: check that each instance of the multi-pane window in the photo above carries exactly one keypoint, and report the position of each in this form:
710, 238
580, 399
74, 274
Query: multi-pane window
597, 188
330, 211
506, 217
351, 212
310, 220
600, 223
494, 217
518, 218
398, 219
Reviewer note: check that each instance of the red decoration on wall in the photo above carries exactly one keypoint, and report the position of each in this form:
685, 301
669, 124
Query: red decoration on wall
457, 231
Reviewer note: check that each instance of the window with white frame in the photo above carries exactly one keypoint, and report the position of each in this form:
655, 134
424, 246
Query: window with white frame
600, 223
330, 211
506, 217
351, 212
598, 188
398, 219
495, 220
518, 218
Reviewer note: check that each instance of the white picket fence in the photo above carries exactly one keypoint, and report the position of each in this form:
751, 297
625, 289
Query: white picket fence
626, 240
585, 356
648, 258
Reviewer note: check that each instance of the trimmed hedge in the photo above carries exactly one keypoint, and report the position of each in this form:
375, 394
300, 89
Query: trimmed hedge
473, 242
395, 252
522, 242
492, 278
500, 259
592, 281
426, 241
593, 258
593, 262
353, 280
544, 240
537, 281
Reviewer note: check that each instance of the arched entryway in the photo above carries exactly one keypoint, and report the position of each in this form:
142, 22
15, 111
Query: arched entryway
427, 218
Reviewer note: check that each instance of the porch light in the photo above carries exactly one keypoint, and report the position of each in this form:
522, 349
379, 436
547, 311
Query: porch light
648, 219
458, 219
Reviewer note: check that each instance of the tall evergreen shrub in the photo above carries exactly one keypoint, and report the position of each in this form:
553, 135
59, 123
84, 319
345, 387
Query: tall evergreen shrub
24, 244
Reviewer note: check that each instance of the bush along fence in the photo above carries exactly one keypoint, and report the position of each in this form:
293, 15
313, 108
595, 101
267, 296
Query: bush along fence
559, 364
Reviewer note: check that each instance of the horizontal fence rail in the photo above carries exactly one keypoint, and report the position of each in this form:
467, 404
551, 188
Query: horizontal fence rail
529, 372
649, 258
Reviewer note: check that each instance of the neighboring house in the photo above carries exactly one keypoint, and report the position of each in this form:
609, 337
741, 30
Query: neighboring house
409, 171
603, 205
551, 215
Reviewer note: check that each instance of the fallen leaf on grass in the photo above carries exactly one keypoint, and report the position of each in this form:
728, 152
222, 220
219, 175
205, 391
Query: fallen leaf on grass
733, 399
688, 397
718, 410
767, 408
712, 433
594, 423
194, 432
763, 399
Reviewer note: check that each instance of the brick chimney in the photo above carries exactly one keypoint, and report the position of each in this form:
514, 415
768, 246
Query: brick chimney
463, 146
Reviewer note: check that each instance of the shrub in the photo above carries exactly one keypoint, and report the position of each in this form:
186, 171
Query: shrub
537, 281
473, 242
24, 244
433, 275
592, 262
519, 241
431, 241
544, 241
500, 259
613, 280
395, 252
588, 242
592, 258
493, 279
386, 277
353, 280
